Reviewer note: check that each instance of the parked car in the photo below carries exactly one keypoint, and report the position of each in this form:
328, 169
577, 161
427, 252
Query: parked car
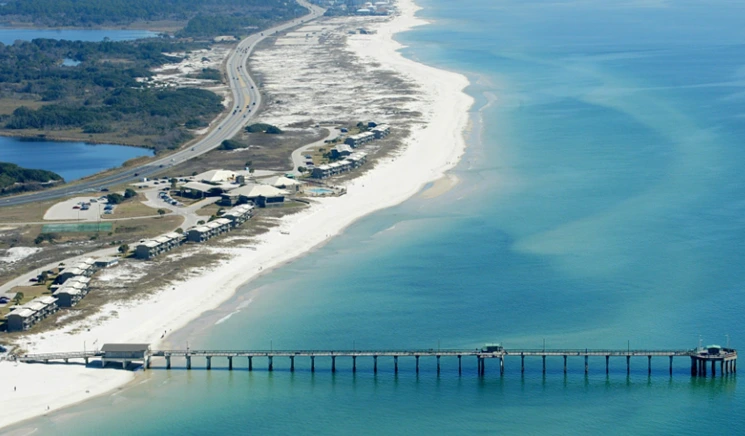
76, 207
108, 212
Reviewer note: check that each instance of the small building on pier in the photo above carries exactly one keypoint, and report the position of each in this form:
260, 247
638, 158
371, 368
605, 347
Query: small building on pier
125, 353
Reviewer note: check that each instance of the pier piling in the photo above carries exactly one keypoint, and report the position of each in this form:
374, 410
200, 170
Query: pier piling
724, 358
312, 363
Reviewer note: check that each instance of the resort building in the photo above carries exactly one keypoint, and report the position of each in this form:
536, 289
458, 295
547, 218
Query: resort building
201, 189
321, 172
83, 268
211, 229
341, 150
106, 262
72, 291
259, 195
381, 131
23, 317
239, 214
354, 160
359, 139
357, 159
216, 176
149, 248
282, 182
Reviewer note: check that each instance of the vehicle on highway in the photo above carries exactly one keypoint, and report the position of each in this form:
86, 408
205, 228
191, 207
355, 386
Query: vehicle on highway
136, 174
104, 189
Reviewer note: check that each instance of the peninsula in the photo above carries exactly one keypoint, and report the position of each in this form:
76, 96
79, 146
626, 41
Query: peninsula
428, 114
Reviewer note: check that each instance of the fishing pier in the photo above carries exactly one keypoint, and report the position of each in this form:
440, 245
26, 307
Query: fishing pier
702, 359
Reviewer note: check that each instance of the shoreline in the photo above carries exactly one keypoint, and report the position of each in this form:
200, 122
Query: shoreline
430, 151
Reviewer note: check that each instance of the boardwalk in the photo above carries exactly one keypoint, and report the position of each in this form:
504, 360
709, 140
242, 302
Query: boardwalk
701, 358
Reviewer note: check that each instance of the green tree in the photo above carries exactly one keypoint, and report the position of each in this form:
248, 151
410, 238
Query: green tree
18, 298
200, 222
130, 193
302, 169
114, 198
161, 212
124, 249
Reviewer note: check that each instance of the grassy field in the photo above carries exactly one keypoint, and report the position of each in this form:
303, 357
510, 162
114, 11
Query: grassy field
8, 105
33, 212
266, 152
133, 207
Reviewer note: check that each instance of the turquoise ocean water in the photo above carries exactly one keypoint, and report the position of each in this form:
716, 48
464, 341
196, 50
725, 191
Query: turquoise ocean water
601, 204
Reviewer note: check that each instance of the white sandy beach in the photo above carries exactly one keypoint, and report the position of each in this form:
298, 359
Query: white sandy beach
431, 150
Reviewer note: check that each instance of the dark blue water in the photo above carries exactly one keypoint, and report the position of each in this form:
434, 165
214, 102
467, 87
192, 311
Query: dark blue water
9, 36
71, 160
601, 205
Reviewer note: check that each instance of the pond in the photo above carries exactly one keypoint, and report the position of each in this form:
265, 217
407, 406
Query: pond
8, 35
71, 160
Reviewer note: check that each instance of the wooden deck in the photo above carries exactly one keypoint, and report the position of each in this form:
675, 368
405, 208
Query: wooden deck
700, 358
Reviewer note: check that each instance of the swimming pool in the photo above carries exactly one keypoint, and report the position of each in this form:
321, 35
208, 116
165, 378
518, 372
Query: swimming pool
319, 191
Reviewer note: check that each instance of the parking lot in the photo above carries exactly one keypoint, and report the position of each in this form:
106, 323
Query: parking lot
79, 208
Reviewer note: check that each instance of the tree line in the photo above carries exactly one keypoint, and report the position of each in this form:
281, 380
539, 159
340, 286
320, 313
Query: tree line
14, 178
81, 13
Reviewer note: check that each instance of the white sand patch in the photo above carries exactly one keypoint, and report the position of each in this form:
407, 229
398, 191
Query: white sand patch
433, 148
177, 74
15, 254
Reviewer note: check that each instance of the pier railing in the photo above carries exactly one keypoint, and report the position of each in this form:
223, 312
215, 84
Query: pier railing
726, 358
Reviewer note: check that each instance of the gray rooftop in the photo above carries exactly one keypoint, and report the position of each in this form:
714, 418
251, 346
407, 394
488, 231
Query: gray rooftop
125, 347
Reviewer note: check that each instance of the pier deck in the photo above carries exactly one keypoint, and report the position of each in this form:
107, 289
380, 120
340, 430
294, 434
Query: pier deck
726, 358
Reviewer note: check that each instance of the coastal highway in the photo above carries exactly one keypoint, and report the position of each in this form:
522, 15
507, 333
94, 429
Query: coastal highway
246, 102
